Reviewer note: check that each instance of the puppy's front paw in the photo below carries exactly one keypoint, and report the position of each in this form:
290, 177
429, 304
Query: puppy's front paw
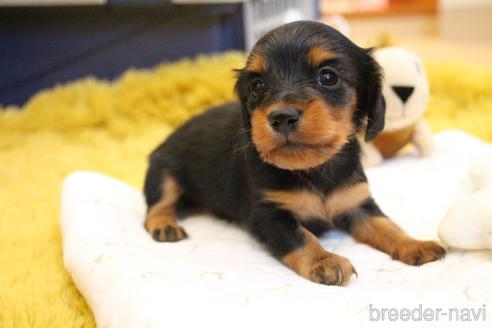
332, 270
416, 252
165, 230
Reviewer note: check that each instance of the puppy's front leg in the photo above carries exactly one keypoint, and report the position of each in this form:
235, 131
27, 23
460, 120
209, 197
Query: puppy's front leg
298, 248
367, 224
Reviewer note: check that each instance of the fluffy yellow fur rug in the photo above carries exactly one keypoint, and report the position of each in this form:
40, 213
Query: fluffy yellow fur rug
111, 127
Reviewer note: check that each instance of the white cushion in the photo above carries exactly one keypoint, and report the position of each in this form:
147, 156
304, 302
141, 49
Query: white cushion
221, 277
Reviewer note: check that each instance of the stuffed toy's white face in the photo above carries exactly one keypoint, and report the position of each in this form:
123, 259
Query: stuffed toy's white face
405, 87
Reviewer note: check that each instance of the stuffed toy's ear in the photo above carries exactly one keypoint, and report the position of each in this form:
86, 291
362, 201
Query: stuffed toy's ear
370, 97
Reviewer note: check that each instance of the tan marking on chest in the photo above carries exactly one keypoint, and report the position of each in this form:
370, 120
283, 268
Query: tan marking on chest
306, 204
346, 198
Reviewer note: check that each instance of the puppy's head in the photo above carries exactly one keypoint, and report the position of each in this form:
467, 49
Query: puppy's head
305, 91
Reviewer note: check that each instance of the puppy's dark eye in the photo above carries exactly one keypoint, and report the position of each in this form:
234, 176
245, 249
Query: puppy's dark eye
327, 78
257, 88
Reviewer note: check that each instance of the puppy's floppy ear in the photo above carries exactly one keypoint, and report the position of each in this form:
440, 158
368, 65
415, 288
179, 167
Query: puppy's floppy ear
375, 118
241, 90
370, 97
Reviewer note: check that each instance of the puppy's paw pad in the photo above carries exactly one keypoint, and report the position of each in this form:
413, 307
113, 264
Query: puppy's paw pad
170, 232
418, 252
332, 270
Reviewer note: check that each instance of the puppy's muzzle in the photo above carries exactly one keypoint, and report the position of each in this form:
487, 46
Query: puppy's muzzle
285, 121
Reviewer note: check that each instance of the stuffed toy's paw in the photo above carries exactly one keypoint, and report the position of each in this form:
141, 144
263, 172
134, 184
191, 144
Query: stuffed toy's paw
468, 223
422, 139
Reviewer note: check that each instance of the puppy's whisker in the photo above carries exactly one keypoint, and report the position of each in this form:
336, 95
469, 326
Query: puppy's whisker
243, 148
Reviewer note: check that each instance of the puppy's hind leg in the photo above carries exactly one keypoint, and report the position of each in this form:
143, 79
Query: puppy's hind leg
162, 192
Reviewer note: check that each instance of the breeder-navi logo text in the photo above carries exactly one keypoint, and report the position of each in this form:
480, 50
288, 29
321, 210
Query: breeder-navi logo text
428, 314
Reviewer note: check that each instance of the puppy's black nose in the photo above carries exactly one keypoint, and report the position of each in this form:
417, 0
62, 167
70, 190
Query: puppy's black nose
285, 120
403, 92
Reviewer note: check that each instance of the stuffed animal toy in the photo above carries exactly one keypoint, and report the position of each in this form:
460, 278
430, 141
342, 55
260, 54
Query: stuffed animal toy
406, 91
468, 223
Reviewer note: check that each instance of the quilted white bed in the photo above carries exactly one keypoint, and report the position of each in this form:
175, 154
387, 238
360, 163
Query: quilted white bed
220, 277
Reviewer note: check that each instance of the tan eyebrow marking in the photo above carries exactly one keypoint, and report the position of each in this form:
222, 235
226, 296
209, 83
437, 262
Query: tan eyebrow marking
256, 63
317, 55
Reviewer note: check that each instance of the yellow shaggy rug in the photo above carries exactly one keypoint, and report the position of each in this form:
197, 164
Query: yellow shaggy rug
111, 127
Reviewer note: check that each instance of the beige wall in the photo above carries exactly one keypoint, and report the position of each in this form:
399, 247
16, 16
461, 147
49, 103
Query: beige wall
454, 22
466, 24
462, 29
462, 4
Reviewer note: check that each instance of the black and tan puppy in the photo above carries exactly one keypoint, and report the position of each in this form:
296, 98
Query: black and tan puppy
284, 162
